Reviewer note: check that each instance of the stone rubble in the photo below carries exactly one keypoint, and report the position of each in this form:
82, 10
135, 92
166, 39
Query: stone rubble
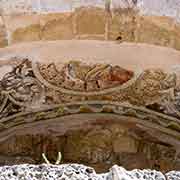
79, 172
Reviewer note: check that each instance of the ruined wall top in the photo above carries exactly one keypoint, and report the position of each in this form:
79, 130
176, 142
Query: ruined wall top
150, 7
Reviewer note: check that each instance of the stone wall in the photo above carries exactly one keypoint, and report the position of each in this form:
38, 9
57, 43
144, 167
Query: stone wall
3, 37
35, 20
94, 113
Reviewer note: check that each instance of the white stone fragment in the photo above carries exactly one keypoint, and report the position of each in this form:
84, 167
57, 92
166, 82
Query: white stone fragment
119, 173
173, 175
79, 172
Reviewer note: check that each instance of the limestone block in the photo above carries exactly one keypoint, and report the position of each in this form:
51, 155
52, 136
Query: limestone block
90, 20
122, 25
93, 147
31, 33
56, 26
124, 144
23, 27
3, 39
90, 37
160, 32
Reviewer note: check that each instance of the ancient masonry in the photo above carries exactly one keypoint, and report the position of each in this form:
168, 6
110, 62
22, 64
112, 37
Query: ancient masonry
124, 20
145, 104
95, 113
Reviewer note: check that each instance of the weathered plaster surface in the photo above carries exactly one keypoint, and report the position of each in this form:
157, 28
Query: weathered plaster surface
154, 22
151, 7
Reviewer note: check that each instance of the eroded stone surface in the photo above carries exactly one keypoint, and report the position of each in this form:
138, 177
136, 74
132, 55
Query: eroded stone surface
49, 172
172, 175
92, 20
94, 113
163, 7
92, 23
3, 36
78, 172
